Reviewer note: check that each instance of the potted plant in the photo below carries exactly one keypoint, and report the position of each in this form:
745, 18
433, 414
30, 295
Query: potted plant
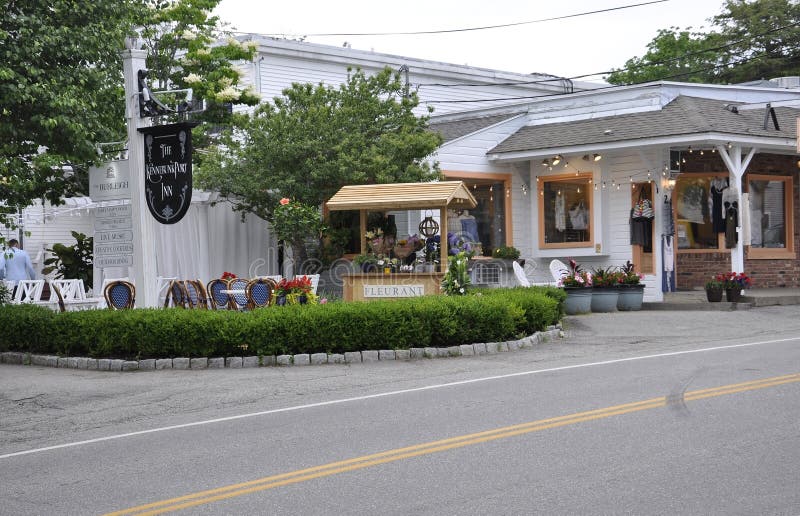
631, 289
505, 253
294, 291
714, 288
734, 283
366, 262
605, 293
578, 286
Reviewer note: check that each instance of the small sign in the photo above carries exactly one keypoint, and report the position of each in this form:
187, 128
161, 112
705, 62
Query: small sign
112, 224
394, 290
110, 182
113, 249
107, 212
168, 170
108, 237
102, 262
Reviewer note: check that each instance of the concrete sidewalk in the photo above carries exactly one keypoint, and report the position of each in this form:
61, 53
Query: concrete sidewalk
754, 297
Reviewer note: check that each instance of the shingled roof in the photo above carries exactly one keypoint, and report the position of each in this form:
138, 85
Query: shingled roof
683, 116
458, 128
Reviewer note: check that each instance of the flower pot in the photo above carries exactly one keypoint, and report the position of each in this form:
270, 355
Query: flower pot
302, 299
630, 297
733, 295
280, 300
604, 299
579, 300
714, 295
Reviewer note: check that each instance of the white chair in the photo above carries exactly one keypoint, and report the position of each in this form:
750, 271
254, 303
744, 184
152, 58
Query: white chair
519, 273
162, 283
29, 291
314, 282
558, 270
277, 278
71, 289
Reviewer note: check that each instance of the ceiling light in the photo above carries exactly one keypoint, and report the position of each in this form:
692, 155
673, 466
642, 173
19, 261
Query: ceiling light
546, 162
557, 159
597, 157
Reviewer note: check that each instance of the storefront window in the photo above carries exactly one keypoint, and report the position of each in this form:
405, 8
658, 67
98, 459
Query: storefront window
565, 214
770, 202
699, 221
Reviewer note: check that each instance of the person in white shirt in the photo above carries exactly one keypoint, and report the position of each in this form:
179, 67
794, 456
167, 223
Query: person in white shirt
15, 264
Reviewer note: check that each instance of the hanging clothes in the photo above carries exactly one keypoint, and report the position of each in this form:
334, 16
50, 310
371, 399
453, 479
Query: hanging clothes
718, 185
731, 221
579, 216
561, 213
669, 254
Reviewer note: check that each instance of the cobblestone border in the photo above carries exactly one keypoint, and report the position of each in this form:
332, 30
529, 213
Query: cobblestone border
302, 359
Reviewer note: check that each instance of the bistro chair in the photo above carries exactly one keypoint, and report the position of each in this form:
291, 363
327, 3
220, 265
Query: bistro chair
218, 299
120, 295
177, 296
237, 293
196, 294
259, 293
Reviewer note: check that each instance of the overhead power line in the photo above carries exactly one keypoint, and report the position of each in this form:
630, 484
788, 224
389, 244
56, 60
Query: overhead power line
468, 29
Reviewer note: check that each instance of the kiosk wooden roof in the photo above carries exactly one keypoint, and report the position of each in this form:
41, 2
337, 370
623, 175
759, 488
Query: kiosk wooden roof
404, 196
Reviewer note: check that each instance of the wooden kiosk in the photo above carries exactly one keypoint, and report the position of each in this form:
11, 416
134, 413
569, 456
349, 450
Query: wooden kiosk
399, 196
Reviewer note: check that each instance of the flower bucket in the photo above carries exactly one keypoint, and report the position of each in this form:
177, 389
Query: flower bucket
579, 300
714, 295
604, 299
733, 295
630, 297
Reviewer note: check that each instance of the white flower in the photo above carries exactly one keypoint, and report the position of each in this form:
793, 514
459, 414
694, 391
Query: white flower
203, 51
228, 94
189, 35
233, 42
461, 290
251, 45
193, 78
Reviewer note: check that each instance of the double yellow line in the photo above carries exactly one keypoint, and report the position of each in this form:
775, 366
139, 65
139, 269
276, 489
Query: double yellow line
333, 468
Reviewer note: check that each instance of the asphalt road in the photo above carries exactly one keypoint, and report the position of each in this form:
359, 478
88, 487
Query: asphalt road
630, 413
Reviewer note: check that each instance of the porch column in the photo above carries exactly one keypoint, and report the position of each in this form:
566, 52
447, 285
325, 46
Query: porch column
736, 167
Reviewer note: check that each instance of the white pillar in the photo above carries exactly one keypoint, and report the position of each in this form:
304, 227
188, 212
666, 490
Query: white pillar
736, 167
144, 248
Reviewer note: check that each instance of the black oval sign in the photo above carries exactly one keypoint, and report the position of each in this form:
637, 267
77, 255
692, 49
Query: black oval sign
168, 170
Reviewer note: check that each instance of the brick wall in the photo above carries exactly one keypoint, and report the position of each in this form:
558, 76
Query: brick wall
694, 269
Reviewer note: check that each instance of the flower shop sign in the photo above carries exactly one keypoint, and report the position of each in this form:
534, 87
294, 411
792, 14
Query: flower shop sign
168, 170
394, 290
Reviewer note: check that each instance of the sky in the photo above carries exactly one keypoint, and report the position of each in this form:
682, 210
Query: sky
567, 48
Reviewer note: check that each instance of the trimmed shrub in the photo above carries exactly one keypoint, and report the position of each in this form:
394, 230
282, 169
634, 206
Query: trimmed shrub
438, 321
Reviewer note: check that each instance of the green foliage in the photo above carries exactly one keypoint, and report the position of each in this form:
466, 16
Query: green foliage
60, 89
314, 139
499, 314
749, 40
506, 253
5, 294
294, 221
73, 261
456, 279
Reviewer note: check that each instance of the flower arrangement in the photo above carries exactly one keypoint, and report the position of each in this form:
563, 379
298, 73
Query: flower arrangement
715, 283
628, 275
432, 248
298, 285
734, 280
606, 277
456, 279
575, 277
228, 275
456, 245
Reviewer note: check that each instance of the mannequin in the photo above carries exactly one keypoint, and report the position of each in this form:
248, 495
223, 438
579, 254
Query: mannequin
469, 226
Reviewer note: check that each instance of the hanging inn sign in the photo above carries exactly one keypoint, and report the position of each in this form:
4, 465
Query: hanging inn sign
168, 170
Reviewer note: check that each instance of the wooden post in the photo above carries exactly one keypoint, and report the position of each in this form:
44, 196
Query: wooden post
363, 227
443, 237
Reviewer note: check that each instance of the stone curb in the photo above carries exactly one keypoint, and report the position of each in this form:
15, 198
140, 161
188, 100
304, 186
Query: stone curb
302, 359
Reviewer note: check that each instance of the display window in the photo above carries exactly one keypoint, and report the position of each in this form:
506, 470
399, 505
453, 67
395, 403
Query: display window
565, 211
771, 206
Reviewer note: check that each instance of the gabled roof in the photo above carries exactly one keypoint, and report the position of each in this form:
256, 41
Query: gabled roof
454, 129
402, 196
683, 116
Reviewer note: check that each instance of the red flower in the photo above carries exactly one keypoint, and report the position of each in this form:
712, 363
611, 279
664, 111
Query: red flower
228, 275
285, 201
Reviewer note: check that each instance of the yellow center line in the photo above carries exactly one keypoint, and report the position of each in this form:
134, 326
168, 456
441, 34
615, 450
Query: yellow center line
234, 490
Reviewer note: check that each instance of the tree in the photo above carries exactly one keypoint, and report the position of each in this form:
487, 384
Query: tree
60, 93
748, 40
183, 43
314, 139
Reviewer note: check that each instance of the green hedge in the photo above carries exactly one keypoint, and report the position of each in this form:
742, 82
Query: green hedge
436, 321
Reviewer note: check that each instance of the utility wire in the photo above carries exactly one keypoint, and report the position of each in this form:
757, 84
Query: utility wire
486, 27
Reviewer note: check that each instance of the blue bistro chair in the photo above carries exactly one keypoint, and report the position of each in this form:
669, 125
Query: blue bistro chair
120, 295
196, 294
259, 293
176, 295
238, 301
218, 299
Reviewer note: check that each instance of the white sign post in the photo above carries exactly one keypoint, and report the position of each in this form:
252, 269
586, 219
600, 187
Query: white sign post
144, 249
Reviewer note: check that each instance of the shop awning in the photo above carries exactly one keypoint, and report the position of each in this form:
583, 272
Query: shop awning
403, 196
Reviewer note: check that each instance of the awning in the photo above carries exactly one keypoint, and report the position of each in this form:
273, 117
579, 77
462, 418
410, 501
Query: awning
403, 196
